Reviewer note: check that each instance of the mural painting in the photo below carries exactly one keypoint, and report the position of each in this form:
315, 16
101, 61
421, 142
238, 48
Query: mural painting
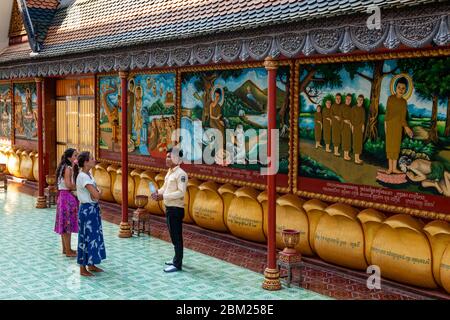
5, 113
151, 113
380, 130
233, 99
25, 108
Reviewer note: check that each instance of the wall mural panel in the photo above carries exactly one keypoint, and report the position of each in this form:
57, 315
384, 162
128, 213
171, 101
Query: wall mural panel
5, 113
386, 140
233, 99
151, 116
25, 108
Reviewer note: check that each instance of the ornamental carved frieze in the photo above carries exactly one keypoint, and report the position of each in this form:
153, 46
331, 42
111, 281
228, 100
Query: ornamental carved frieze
122, 62
66, 68
204, 54
326, 41
230, 50
417, 32
140, 60
92, 65
160, 57
259, 47
53, 69
78, 66
181, 56
366, 39
107, 63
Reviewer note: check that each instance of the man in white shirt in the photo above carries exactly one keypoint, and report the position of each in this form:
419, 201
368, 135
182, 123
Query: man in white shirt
172, 193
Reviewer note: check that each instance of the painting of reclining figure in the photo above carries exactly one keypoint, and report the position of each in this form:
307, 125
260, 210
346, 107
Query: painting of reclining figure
380, 124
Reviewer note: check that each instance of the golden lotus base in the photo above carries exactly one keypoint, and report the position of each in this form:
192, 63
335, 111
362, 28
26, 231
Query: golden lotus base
41, 202
125, 230
272, 280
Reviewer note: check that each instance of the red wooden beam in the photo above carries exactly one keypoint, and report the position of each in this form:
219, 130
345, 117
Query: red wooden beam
41, 202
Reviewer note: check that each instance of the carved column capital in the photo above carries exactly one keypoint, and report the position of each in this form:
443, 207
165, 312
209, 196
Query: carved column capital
270, 63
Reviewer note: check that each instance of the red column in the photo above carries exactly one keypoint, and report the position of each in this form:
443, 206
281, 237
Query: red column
125, 231
272, 274
41, 203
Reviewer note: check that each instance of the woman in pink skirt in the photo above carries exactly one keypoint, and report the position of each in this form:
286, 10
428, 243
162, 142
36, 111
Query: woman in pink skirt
67, 204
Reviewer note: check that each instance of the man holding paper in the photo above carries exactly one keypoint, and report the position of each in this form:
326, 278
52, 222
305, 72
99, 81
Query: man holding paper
172, 193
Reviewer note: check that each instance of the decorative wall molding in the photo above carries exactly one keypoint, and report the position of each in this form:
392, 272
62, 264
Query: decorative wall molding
406, 28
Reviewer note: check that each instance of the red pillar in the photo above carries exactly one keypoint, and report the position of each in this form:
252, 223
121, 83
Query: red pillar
125, 230
41, 203
272, 274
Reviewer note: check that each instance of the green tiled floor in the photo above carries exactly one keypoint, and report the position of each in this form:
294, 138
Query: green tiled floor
32, 267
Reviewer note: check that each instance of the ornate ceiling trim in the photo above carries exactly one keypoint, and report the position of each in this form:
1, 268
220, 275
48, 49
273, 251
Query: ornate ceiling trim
409, 30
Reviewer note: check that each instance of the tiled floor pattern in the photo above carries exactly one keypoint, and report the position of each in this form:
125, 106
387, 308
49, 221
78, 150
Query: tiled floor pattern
32, 267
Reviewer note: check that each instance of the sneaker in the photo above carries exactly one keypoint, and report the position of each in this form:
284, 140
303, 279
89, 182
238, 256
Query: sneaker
171, 269
168, 263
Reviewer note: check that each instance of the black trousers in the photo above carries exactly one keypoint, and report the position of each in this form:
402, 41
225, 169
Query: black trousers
174, 217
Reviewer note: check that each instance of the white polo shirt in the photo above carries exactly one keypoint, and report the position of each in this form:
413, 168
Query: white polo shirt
174, 187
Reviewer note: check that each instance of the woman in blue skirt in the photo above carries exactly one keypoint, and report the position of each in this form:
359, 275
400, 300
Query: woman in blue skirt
91, 246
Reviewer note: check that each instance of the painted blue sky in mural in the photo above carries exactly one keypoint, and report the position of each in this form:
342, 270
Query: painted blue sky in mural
152, 84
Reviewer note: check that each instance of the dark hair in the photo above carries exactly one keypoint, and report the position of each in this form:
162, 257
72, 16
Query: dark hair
83, 157
403, 81
338, 95
349, 95
65, 162
175, 150
361, 96
218, 91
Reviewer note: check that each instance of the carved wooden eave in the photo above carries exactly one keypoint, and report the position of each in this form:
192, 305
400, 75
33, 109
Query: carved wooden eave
410, 28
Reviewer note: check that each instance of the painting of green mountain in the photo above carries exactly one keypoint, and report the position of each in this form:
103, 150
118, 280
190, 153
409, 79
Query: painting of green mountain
380, 124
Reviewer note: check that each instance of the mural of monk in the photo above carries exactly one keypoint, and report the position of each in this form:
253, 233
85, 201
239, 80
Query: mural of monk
318, 126
326, 121
358, 125
336, 126
394, 123
215, 114
346, 130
